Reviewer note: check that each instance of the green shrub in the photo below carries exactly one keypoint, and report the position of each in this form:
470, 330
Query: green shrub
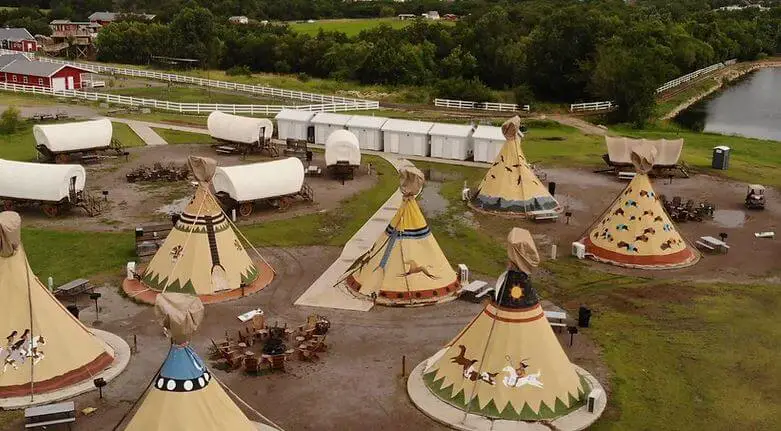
10, 120
239, 70
464, 89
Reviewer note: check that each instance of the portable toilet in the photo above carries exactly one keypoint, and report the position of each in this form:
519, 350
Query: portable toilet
720, 157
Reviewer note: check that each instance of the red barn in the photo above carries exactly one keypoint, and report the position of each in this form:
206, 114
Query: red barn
17, 69
17, 39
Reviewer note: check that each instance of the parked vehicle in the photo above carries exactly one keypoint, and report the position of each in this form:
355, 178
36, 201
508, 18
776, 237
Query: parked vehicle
755, 198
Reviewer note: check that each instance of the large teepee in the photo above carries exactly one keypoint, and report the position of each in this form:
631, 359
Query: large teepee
507, 362
510, 185
45, 347
183, 394
202, 255
636, 231
405, 266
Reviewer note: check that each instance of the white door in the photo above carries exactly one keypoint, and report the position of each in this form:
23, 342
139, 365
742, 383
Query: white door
393, 144
70, 85
58, 84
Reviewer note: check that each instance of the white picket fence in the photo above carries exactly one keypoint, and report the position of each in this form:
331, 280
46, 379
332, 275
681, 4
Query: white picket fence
591, 106
487, 106
190, 108
694, 75
234, 86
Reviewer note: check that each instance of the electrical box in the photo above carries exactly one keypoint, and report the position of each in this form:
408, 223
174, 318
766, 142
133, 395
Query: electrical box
578, 250
593, 396
463, 274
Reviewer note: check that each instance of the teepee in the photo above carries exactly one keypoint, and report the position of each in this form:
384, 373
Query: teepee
405, 266
636, 231
183, 394
202, 255
45, 347
507, 362
510, 185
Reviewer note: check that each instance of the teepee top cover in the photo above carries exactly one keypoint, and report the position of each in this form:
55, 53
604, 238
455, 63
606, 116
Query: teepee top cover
40, 341
510, 185
507, 362
636, 231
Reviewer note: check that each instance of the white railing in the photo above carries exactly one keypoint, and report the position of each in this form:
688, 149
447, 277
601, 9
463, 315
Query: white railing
226, 85
694, 75
193, 108
487, 106
591, 106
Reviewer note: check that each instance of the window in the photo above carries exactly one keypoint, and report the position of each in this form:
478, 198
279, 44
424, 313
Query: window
40, 81
14, 78
24, 79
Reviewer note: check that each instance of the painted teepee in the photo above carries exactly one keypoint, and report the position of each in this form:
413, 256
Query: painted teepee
45, 348
184, 395
202, 255
507, 362
636, 231
405, 266
510, 185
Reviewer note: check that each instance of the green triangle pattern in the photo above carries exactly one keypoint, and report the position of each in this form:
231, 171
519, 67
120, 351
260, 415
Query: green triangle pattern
252, 274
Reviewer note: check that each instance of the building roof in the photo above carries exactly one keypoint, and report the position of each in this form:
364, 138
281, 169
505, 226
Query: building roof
407, 126
489, 132
112, 16
67, 21
15, 34
366, 122
454, 130
36, 68
331, 119
7, 59
295, 115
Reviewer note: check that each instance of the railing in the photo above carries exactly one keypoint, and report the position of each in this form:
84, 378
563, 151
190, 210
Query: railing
193, 108
487, 106
694, 75
592, 106
252, 89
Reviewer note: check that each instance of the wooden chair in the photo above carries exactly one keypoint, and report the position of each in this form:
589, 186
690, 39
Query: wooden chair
307, 354
251, 364
276, 362
319, 343
258, 326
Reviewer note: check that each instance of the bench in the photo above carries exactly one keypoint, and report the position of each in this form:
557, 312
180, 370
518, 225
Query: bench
225, 149
89, 158
52, 414
556, 319
543, 215
705, 245
626, 175
73, 288
474, 286
151, 238
313, 171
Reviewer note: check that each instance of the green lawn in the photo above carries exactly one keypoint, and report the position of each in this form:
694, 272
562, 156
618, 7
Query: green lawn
9, 98
126, 136
165, 117
350, 27
666, 106
194, 95
175, 137
18, 146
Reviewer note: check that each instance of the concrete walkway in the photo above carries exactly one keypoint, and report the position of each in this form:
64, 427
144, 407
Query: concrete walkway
144, 130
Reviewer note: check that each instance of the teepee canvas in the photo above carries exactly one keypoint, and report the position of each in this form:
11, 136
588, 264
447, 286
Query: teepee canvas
202, 255
45, 348
507, 362
510, 185
405, 266
183, 394
636, 231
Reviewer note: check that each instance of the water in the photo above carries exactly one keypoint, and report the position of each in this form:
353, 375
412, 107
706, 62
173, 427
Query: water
174, 207
750, 107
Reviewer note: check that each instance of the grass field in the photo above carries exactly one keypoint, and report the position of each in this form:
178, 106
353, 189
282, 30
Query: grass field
350, 27
194, 95
126, 136
667, 106
175, 137
18, 146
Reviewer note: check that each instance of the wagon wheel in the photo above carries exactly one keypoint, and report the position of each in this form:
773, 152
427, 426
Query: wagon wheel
285, 202
273, 150
245, 209
307, 193
61, 158
8, 205
51, 210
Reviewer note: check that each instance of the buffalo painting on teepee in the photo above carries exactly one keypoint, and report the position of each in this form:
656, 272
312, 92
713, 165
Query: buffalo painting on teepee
45, 348
202, 255
636, 231
405, 266
510, 185
507, 363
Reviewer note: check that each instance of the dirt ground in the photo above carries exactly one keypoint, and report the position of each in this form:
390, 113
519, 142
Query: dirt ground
134, 204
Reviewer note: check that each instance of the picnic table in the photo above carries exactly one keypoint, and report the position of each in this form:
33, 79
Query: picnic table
73, 288
245, 317
150, 238
713, 244
556, 319
52, 414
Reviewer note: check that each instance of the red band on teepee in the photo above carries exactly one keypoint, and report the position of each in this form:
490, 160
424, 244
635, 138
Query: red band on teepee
70, 378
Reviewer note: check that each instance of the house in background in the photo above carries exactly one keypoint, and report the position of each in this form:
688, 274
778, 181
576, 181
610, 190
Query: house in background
405, 16
432, 15
104, 18
240, 19
17, 39
18, 69
81, 34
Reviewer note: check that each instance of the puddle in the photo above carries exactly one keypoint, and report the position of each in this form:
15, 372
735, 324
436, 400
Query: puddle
439, 176
729, 218
569, 203
174, 207
431, 201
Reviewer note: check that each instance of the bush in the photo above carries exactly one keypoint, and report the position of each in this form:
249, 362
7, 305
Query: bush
239, 70
523, 95
387, 11
472, 90
10, 120
303, 77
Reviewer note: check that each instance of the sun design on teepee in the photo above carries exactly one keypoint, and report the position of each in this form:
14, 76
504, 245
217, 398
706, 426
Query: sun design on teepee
177, 252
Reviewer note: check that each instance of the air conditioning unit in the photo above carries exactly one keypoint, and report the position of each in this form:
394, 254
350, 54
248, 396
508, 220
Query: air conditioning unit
578, 250
131, 270
593, 397
463, 274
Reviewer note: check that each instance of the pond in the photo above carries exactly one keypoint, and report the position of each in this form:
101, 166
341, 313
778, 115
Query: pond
749, 107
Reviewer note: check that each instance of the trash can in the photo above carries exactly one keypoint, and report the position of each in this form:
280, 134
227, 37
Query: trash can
552, 188
584, 316
720, 157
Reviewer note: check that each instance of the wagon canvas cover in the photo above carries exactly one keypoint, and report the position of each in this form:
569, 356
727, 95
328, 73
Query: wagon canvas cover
260, 180
235, 128
37, 181
619, 150
71, 137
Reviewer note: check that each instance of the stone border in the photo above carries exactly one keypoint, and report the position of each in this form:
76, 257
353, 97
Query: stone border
455, 418
121, 359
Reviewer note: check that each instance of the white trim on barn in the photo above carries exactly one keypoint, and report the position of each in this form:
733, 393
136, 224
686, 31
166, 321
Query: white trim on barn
488, 142
326, 123
406, 137
264, 180
235, 128
368, 130
71, 137
294, 124
342, 146
451, 141
39, 181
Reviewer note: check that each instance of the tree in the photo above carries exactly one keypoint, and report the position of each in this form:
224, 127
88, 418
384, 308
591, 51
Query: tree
387, 11
10, 120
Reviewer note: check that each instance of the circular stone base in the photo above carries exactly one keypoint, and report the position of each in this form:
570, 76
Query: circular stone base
455, 418
121, 359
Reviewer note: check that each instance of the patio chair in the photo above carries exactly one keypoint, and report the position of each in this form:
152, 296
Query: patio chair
276, 362
251, 364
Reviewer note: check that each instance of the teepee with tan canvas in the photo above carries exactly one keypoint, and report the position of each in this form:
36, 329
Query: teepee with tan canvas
405, 266
510, 186
507, 363
202, 255
45, 348
635, 231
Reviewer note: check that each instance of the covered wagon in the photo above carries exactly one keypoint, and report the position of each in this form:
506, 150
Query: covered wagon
277, 183
82, 140
342, 154
668, 153
55, 188
237, 134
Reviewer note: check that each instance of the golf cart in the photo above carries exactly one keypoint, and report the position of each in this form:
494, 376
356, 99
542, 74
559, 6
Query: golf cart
755, 199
